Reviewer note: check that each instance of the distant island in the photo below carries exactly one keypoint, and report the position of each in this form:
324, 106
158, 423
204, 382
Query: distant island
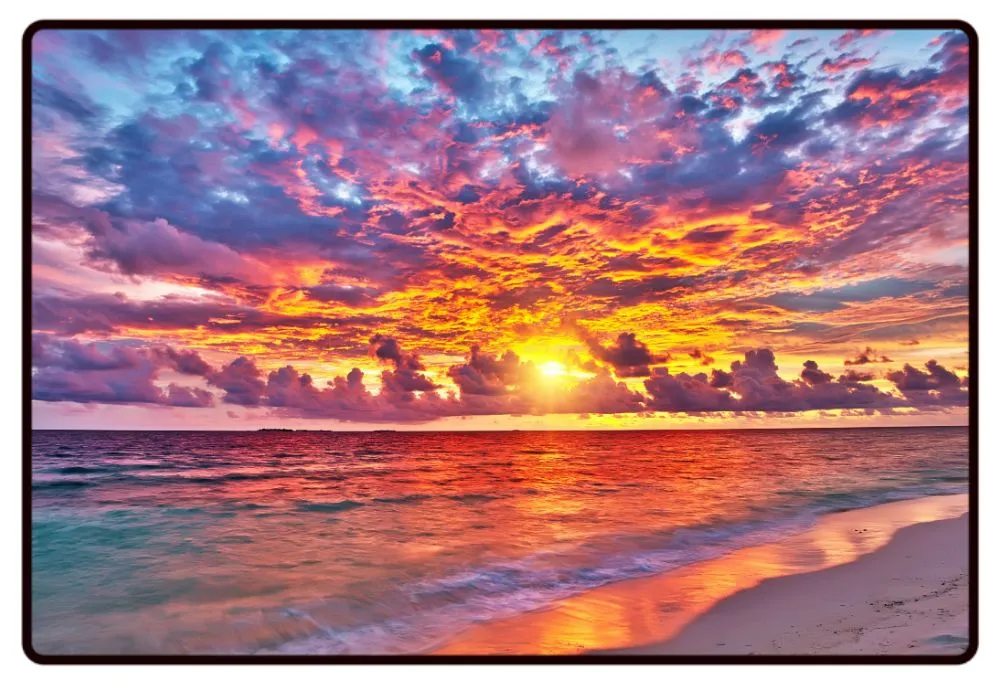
314, 430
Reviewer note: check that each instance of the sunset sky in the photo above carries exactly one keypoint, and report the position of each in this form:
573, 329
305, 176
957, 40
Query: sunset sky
499, 229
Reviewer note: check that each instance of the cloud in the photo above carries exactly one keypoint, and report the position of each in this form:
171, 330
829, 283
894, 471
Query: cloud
852, 36
134, 247
812, 374
935, 378
852, 376
71, 371
48, 96
703, 358
307, 190
685, 393
936, 385
483, 374
884, 97
952, 51
104, 313
832, 299
388, 349
627, 355
716, 61
182, 396
602, 394
582, 132
456, 75
352, 296
842, 63
780, 130
241, 382
867, 356
762, 40
753, 385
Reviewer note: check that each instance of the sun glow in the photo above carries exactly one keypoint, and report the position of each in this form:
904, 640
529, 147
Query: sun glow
552, 369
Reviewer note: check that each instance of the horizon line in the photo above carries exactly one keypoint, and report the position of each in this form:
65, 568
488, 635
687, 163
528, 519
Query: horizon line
484, 430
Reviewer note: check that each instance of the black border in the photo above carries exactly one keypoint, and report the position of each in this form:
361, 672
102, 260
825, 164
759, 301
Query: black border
836, 24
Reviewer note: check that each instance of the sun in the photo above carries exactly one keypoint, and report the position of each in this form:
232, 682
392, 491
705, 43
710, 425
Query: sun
552, 369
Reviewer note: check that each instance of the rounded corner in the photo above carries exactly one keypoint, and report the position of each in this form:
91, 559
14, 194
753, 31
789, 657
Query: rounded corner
969, 653
33, 654
969, 30
33, 28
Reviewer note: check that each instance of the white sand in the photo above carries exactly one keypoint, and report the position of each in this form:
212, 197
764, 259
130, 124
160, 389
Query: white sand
908, 597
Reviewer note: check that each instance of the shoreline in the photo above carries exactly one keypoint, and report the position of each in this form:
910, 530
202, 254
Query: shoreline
910, 597
854, 553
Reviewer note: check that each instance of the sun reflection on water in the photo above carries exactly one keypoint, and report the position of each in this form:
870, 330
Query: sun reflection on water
654, 609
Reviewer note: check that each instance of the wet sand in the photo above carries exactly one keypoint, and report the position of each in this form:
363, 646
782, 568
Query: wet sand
909, 597
889, 579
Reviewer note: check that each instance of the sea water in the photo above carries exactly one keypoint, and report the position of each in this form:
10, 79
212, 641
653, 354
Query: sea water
391, 542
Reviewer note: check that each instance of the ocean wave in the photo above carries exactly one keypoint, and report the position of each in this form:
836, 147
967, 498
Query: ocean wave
473, 498
64, 484
403, 499
80, 470
342, 505
565, 526
178, 476
426, 613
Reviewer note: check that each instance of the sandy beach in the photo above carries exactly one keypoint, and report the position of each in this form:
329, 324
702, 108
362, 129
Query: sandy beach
890, 579
909, 597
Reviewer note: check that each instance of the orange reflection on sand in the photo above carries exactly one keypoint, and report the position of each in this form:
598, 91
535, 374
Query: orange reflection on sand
656, 608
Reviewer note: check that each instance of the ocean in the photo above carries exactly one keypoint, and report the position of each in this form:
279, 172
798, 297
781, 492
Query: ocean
394, 542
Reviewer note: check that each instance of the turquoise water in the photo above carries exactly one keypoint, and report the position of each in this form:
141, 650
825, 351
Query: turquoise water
213, 542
